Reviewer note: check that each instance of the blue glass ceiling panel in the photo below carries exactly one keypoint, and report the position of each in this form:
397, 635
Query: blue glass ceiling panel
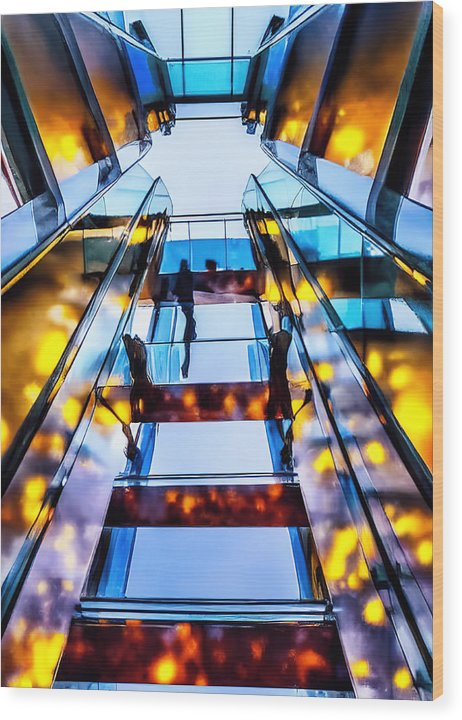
209, 77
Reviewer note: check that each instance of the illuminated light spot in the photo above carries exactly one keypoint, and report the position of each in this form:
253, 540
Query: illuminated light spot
164, 670
255, 409
326, 283
374, 612
272, 293
132, 622
414, 413
171, 496
71, 411
122, 408
421, 279
367, 541
275, 491
363, 572
153, 122
45, 655
400, 377
183, 631
104, 417
138, 236
67, 585
31, 392
344, 543
189, 399
50, 349
257, 647
324, 371
374, 363
69, 147
360, 669
229, 404
188, 504
376, 452
32, 497
311, 659
304, 291
341, 112
201, 680
402, 679
324, 462
260, 505
21, 681
414, 524
425, 552
42, 587
403, 265
5, 432
348, 142
353, 581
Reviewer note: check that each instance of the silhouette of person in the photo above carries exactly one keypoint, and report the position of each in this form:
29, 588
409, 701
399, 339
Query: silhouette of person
138, 361
184, 292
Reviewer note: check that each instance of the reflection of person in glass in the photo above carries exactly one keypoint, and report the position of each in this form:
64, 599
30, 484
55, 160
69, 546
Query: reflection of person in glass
184, 292
138, 360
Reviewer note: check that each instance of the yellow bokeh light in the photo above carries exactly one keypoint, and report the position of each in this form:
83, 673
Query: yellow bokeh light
374, 612
374, 363
164, 670
425, 552
344, 543
71, 412
31, 391
360, 669
50, 349
324, 371
5, 433
400, 377
347, 142
402, 678
375, 452
324, 461
32, 497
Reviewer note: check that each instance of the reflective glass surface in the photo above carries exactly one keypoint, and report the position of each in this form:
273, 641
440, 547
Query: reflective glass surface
109, 77
68, 129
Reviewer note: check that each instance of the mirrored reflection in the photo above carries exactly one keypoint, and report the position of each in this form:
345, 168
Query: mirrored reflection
301, 80
382, 303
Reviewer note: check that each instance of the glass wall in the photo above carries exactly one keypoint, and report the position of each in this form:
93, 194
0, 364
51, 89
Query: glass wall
110, 79
302, 77
383, 304
362, 89
47, 304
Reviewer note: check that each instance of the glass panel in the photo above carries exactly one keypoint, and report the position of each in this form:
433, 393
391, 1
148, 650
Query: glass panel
213, 564
208, 229
207, 77
109, 77
175, 70
255, 655
244, 505
358, 105
178, 231
211, 447
209, 362
303, 75
68, 130
174, 253
207, 32
147, 74
208, 255
223, 322
240, 69
422, 183
239, 254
